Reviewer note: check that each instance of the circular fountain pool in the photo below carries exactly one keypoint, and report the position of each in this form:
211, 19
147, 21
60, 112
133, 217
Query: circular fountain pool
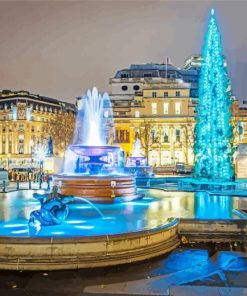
92, 235
101, 235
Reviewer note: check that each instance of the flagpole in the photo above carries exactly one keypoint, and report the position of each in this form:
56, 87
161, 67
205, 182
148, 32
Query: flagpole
166, 67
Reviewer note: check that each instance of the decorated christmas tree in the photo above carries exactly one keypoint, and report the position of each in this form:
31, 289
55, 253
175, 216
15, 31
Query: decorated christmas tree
213, 131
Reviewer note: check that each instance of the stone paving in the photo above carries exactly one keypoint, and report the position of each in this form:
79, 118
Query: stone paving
185, 272
187, 267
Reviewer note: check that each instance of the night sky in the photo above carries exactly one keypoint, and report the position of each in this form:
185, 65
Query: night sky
59, 49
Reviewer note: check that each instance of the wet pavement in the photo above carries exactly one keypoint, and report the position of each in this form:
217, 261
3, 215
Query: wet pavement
191, 269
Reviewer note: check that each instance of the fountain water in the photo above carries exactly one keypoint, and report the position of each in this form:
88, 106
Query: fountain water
93, 168
137, 163
91, 204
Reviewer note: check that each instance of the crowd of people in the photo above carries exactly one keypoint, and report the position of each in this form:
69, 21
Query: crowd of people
28, 175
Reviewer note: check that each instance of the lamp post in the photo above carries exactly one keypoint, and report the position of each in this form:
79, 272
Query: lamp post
8, 156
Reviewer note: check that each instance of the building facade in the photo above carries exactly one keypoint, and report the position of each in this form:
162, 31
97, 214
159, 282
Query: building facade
156, 102
29, 124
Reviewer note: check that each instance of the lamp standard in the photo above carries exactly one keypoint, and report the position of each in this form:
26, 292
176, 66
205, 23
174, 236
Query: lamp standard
8, 160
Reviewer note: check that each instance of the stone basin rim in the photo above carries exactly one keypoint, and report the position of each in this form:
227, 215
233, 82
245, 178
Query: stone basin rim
82, 176
93, 238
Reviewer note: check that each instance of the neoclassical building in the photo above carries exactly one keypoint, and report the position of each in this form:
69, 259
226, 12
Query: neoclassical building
162, 115
156, 102
27, 122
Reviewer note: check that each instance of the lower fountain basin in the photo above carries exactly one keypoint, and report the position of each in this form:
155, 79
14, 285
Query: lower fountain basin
83, 252
103, 234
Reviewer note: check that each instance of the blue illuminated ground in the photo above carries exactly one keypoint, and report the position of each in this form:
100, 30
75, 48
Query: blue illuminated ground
84, 220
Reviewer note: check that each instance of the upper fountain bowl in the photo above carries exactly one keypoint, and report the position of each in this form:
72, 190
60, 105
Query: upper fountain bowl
95, 160
84, 150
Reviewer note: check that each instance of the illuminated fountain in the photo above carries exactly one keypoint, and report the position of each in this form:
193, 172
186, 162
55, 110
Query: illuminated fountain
93, 169
137, 163
64, 229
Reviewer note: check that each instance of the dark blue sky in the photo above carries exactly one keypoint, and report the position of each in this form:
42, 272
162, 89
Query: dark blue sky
60, 49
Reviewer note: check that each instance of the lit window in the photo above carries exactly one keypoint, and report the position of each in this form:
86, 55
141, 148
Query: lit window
166, 108
21, 138
21, 127
166, 94
154, 94
137, 113
154, 108
21, 149
177, 93
177, 135
166, 136
153, 135
177, 108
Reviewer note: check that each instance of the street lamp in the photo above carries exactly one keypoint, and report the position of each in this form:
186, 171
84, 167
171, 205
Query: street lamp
8, 156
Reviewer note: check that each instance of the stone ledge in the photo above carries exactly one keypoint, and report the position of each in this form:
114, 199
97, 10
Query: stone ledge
73, 253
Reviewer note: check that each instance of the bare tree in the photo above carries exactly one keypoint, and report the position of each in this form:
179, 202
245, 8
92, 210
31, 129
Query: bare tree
148, 139
187, 139
61, 131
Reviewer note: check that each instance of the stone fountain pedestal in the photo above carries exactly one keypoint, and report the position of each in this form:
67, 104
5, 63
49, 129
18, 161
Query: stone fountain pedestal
98, 175
106, 189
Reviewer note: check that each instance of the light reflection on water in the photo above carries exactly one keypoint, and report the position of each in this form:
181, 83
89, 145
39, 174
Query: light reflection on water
152, 211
